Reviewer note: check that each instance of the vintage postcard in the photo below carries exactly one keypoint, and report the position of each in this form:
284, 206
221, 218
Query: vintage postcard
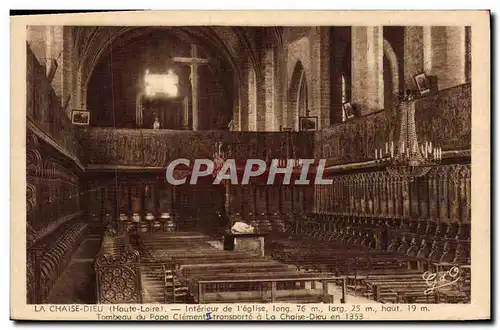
251, 166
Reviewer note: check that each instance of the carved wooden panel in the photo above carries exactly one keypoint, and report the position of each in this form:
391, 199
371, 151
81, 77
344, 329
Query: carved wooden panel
156, 148
444, 118
273, 199
443, 195
118, 278
52, 190
261, 199
165, 197
353, 141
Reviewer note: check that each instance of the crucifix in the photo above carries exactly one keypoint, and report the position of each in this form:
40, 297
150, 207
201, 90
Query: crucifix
193, 62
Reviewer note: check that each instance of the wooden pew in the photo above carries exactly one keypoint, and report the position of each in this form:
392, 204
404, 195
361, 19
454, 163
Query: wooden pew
161, 285
263, 289
123, 277
339, 257
238, 276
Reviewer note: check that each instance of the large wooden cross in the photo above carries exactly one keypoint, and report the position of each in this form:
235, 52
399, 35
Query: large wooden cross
193, 62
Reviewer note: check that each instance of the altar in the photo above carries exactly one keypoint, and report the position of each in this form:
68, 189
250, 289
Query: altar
252, 243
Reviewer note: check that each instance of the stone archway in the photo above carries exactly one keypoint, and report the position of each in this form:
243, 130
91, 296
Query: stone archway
391, 87
297, 96
393, 63
92, 42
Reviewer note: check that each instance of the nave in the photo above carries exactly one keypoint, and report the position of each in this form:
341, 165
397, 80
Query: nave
97, 202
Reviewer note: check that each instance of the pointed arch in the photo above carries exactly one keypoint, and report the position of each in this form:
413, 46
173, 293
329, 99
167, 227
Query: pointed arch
393, 63
91, 43
297, 96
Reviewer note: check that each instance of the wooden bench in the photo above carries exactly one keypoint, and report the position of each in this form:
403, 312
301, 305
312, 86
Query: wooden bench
123, 277
343, 259
229, 276
161, 285
263, 288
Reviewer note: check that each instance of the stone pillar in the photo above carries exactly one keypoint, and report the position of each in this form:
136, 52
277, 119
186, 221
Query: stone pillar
67, 71
324, 77
367, 69
444, 51
36, 36
266, 120
47, 43
244, 97
252, 97
54, 60
236, 126
279, 90
413, 53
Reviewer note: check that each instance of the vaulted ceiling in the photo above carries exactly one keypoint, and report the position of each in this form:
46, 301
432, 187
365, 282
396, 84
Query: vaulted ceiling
226, 44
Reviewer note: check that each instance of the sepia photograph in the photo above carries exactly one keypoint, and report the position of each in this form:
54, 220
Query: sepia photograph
139, 196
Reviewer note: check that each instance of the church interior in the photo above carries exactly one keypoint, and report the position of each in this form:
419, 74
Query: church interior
109, 107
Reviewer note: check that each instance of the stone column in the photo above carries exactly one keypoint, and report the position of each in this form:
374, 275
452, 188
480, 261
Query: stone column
367, 68
266, 118
236, 126
413, 53
444, 50
47, 44
323, 90
54, 60
244, 97
252, 97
